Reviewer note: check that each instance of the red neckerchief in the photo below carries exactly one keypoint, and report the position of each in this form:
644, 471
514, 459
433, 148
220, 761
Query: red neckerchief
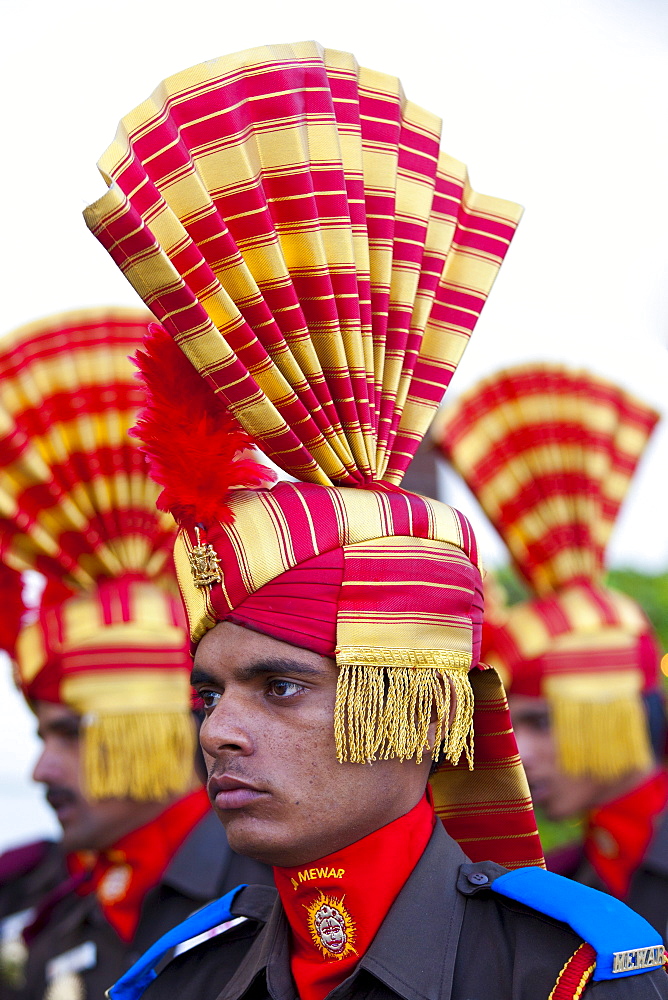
121, 875
335, 905
619, 833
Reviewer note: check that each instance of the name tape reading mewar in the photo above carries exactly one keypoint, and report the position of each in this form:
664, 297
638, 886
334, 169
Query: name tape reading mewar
308, 874
638, 958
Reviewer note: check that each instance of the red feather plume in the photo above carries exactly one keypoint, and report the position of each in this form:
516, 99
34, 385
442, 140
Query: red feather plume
13, 608
192, 443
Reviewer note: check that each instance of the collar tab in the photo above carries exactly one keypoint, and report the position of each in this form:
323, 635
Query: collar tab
474, 878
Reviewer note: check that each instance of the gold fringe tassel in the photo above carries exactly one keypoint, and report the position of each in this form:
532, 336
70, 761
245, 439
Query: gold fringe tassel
383, 712
603, 740
146, 756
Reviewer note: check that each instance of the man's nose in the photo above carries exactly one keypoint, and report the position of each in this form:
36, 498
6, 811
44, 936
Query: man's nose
228, 729
526, 745
47, 770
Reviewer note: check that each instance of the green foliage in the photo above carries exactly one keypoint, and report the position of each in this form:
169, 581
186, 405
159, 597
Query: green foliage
514, 587
557, 833
651, 593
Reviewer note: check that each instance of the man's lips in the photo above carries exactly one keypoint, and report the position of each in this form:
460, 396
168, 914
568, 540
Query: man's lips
61, 800
227, 792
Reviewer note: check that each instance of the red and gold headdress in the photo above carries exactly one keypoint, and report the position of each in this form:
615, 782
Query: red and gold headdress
549, 452
77, 505
288, 217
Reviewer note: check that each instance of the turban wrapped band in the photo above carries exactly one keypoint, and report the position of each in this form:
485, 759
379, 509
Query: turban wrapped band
385, 581
77, 505
592, 653
550, 452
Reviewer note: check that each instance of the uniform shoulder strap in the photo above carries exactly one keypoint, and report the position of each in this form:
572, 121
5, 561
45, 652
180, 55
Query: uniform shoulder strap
19, 861
139, 976
623, 942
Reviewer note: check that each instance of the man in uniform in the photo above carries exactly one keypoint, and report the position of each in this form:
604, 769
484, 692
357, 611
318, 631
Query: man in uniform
103, 663
320, 264
550, 452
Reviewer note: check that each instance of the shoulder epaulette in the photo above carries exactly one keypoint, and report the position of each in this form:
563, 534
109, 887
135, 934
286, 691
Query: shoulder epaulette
624, 942
20, 860
139, 976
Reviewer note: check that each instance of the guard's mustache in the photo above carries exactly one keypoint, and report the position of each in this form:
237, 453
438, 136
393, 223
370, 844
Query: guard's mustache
230, 767
59, 795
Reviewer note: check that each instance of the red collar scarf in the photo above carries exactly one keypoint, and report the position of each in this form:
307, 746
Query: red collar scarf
122, 875
335, 905
619, 833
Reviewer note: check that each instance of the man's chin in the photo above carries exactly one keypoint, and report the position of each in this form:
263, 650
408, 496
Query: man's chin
554, 809
77, 836
256, 839
71, 837
73, 840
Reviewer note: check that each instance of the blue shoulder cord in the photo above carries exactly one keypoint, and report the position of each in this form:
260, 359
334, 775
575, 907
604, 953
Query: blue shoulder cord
133, 983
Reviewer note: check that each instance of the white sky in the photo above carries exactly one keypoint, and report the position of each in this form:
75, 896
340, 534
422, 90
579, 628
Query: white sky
558, 106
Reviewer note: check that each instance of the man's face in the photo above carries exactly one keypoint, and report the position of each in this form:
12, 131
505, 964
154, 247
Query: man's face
268, 742
87, 825
558, 794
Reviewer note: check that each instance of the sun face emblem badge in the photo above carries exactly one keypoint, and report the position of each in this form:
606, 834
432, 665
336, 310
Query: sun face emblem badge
331, 927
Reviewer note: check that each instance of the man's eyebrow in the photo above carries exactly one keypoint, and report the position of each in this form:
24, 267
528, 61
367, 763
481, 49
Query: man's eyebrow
59, 727
274, 665
200, 676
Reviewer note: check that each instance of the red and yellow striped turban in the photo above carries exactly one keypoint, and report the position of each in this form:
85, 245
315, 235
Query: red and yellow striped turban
549, 452
289, 218
77, 505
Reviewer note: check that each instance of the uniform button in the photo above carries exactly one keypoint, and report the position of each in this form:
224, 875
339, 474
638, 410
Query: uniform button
477, 878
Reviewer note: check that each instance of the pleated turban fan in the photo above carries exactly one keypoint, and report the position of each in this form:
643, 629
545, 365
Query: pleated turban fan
289, 219
109, 637
550, 452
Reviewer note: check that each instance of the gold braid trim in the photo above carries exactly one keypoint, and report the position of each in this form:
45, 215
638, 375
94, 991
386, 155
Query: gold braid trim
380, 656
604, 737
146, 756
574, 990
383, 713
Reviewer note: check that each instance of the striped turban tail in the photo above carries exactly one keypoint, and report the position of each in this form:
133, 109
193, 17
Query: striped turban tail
108, 639
290, 220
550, 452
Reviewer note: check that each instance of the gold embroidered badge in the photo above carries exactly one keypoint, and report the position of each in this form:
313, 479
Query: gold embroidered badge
114, 885
331, 926
204, 563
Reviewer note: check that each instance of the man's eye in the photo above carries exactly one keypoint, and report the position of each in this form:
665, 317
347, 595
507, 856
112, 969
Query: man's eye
539, 723
209, 699
284, 689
